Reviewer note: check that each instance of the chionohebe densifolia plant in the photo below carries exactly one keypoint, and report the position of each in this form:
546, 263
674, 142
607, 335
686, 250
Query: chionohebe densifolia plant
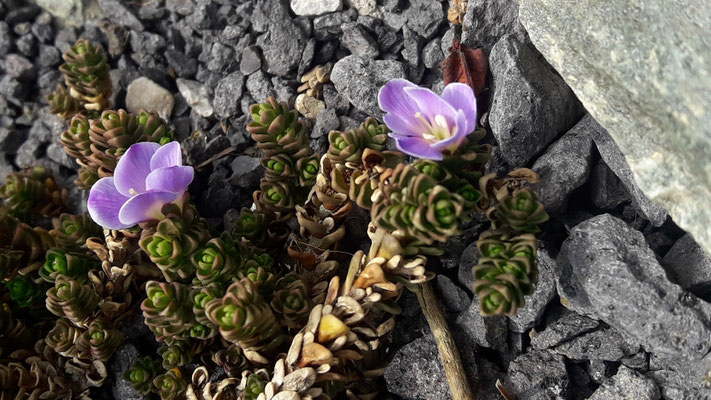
285, 312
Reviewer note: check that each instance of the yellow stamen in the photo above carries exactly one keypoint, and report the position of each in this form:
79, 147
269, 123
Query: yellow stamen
132, 191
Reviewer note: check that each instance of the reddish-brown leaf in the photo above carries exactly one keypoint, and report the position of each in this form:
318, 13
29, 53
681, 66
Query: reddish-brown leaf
465, 65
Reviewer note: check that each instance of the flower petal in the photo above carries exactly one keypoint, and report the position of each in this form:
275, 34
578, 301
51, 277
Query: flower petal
170, 179
133, 168
393, 99
417, 147
461, 97
144, 207
431, 105
168, 155
404, 126
455, 140
104, 204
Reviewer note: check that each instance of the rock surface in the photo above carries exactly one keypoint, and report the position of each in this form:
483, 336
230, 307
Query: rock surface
607, 271
125, 356
417, 373
315, 7
564, 167
627, 384
196, 95
143, 93
613, 158
681, 379
688, 265
69, 12
606, 344
538, 375
531, 104
488, 332
625, 62
487, 21
360, 79
562, 328
228, 90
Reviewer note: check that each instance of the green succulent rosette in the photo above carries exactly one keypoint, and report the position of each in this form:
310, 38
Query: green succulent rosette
33, 191
155, 128
522, 211
506, 272
346, 146
251, 225
99, 341
201, 296
244, 318
264, 279
175, 354
469, 194
71, 231
167, 310
171, 385
72, 300
277, 129
24, 291
142, 373
71, 264
292, 301
63, 336
307, 169
232, 360
218, 260
254, 386
258, 268
170, 242
432, 168
498, 293
278, 167
275, 196
62, 104
470, 161
416, 207
111, 135
87, 177
22, 193
75, 139
375, 132
86, 73
257, 258
115, 131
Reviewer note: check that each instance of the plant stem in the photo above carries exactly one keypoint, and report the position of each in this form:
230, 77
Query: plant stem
453, 367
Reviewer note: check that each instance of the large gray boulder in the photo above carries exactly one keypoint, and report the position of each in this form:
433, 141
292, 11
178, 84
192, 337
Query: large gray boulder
608, 272
642, 68
531, 105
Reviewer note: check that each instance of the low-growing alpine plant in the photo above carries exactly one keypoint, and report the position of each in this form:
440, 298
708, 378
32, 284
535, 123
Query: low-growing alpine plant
279, 302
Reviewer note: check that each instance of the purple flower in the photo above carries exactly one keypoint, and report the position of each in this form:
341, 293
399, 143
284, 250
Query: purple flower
424, 124
147, 177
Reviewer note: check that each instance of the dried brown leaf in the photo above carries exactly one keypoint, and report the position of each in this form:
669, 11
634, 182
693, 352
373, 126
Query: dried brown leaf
465, 65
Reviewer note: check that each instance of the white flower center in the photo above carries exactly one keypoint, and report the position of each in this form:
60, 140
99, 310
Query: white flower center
437, 129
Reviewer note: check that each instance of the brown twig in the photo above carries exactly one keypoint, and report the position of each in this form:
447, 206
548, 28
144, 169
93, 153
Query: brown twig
215, 157
453, 367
